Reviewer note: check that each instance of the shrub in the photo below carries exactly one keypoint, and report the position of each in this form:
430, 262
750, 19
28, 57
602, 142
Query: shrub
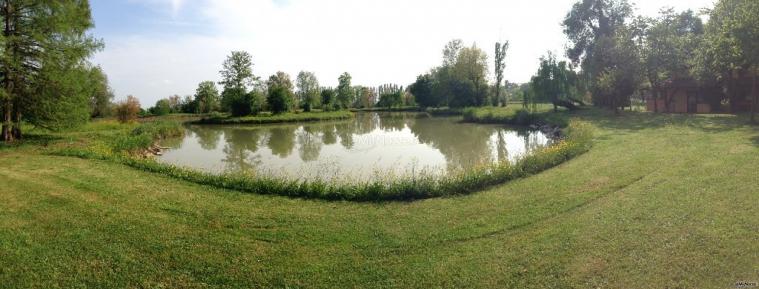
162, 107
127, 111
143, 136
280, 100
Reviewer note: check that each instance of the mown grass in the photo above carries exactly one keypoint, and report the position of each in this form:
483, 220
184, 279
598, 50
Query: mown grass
421, 186
660, 201
277, 118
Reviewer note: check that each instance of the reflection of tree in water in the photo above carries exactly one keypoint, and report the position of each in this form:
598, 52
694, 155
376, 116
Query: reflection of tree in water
281, 140
208, 136
240, 144
328, 134
394, 121
345, 132
309, 143
365, 123
462, 148
501, 149
531, 140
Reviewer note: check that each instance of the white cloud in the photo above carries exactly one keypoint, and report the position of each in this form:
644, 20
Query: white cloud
376, 41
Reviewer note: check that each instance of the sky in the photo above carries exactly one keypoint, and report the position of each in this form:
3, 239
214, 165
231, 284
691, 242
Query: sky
157, 48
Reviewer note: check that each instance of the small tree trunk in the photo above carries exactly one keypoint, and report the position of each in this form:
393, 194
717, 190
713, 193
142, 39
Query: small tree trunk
655, 96
7, 133
755, 100
17, 125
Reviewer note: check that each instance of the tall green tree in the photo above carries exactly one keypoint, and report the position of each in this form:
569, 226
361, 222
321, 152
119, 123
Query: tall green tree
345, 92
329, 99
423, 90
280, 94
470, 73
237, 75
308, 90
162, 107
616, 83
669, 49
237, 70
597, 30
556, 82
44, 47
500, 65
730, 48
101, 97
207, 97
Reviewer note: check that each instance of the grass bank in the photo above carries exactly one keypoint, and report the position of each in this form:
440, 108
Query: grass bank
277, 118
663, 201
514, 114
435, 111
577, 141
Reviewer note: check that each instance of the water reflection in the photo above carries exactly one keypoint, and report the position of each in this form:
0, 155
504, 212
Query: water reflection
370, 145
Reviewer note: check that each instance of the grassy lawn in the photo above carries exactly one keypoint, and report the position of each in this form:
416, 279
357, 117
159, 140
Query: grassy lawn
663, 201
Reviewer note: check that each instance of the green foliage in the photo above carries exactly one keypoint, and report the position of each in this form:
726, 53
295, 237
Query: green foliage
142, 137
730, 48
240, 103
541, 114
207, 97
162, 107
60, 98
101, 94
345, 93
470, 85
279, 99
237, 72
237, 75
391, 100
557, 83
613, 86
43, 64
670, 49
308, 90
587, 22
604, 46
329, 99
422, 90
279, 118
460, 81
500, 65
280, 94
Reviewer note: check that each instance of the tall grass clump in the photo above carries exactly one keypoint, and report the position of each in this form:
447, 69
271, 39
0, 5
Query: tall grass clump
141, 137
577, 140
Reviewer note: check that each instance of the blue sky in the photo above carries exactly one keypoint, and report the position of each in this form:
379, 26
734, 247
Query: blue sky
157, 48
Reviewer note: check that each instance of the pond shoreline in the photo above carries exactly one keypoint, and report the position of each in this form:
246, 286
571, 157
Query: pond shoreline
577, 140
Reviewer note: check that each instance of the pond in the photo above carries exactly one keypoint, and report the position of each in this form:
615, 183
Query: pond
369, 146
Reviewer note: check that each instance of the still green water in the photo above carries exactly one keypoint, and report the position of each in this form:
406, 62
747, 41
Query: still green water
373, 145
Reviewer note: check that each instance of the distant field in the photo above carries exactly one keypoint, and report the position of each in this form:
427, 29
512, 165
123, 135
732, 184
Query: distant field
663, 201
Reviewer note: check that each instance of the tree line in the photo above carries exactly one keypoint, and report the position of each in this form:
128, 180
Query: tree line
47, 81
243, 93
618, 54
